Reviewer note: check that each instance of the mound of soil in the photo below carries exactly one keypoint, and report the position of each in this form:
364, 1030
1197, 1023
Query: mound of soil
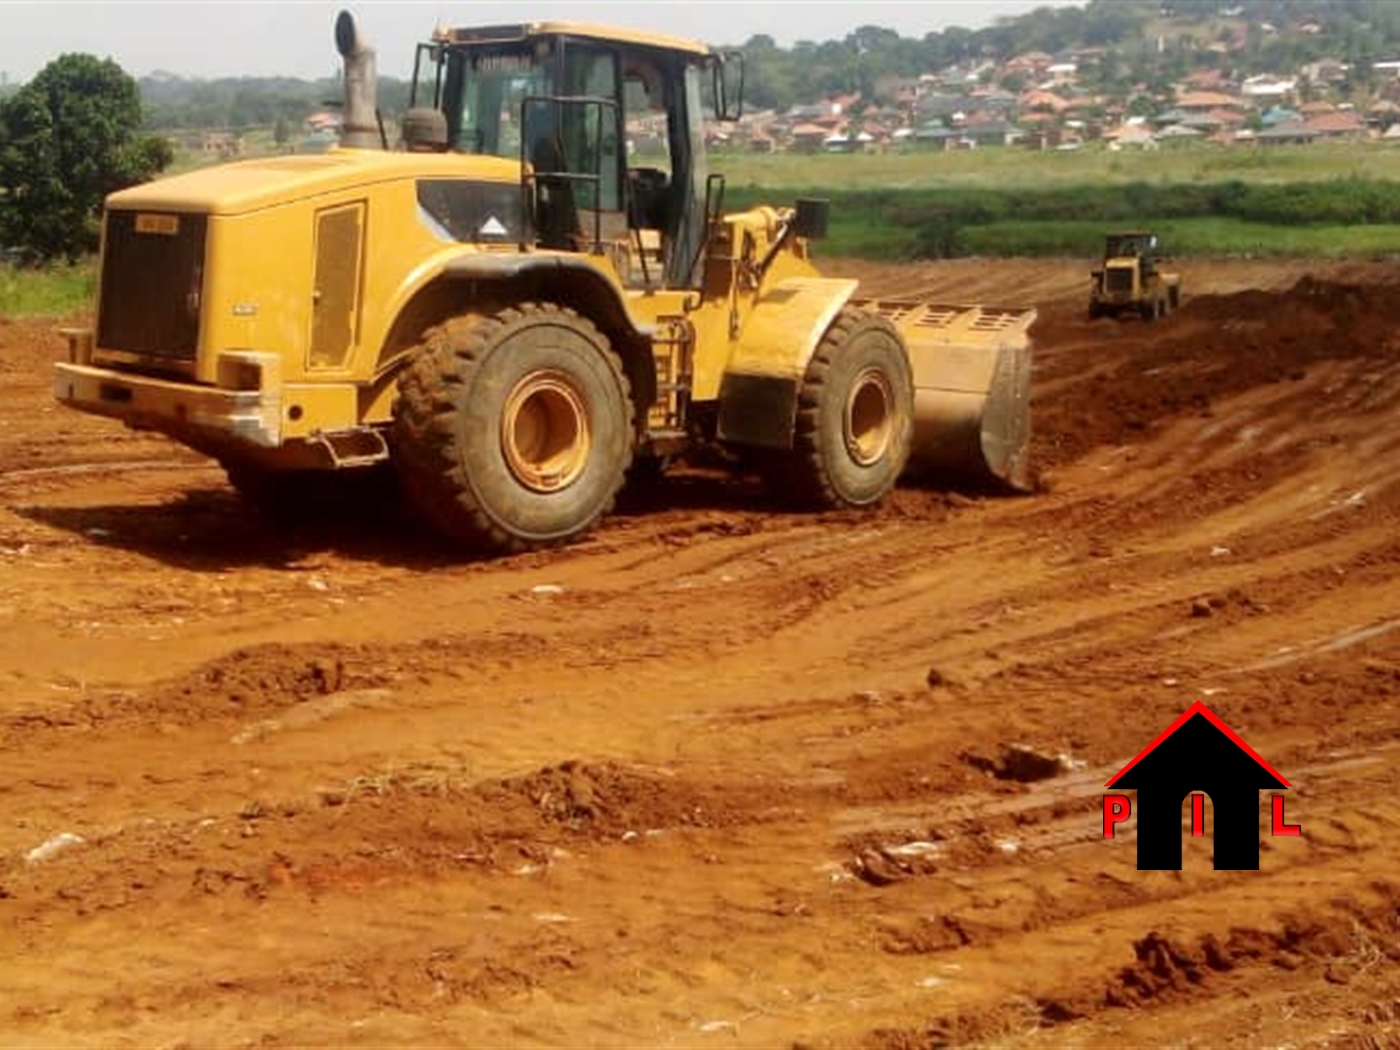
1115, 380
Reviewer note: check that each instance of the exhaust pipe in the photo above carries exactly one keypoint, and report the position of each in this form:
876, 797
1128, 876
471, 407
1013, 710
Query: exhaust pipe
359, 122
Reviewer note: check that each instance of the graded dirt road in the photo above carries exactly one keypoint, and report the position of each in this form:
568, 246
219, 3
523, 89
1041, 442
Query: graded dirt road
721, 775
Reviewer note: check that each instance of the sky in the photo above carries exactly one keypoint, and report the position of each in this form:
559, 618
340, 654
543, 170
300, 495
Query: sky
294, 37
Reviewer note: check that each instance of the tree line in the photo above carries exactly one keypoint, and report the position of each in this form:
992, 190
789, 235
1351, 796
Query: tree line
69, 137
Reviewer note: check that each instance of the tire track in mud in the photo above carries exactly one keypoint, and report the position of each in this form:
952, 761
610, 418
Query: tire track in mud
705, 787
414, 829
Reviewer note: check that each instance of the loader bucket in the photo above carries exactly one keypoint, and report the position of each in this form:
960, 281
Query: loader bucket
972, 377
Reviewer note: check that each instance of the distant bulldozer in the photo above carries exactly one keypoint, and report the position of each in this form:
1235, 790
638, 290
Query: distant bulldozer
515, 317
1131, 279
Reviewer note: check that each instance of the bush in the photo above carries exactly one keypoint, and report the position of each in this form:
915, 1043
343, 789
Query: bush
67, 139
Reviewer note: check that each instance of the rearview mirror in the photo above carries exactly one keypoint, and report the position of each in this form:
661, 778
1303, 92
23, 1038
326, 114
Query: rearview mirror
811, 218
729, 85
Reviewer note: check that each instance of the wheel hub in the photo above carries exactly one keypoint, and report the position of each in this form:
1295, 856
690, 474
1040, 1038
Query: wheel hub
868, 421
544, 432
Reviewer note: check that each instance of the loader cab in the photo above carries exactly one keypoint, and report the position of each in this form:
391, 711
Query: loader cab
1122, 245
1130, 249
609, 129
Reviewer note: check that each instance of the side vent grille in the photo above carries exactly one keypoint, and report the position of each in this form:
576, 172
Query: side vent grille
335, 310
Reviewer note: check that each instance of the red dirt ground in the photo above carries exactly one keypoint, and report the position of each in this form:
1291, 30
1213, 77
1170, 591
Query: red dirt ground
736, 776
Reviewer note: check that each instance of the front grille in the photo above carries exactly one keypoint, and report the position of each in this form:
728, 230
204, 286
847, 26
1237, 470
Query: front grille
152, 283
1120, 280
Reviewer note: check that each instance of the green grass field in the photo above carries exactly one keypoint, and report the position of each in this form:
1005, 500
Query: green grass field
1326, 200
1012, 168
53, 292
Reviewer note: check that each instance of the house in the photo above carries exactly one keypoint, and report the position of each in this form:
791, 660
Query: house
1277, 115
222, 144
1200, 123
936, 135
1342, 124
1205, 101
1198, 753
1289, 133
1044, 101
1131, 136
1033, 63
1206, 80
1226, 117
1328, 71
322, 120
1382, 115
808, 138
989, 133
1179, 133
1269, 88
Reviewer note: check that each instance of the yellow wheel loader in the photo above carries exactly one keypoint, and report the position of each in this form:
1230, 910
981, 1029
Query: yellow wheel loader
537, 291
1131, 279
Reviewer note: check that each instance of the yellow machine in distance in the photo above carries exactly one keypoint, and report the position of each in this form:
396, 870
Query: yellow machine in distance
1131, 279
512, 312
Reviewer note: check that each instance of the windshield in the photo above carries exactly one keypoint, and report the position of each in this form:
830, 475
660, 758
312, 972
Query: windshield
483, 93
1122, 244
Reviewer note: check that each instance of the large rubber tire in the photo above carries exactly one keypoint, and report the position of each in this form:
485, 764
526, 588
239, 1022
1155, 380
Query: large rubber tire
515, 431
855, 417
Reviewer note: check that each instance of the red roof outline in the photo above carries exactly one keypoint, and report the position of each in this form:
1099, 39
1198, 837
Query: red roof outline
1200, 708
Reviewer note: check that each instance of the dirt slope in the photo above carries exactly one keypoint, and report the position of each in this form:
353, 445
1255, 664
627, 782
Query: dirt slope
721, 775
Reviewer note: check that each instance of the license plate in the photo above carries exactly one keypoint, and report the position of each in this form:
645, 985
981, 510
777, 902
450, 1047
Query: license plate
164, 225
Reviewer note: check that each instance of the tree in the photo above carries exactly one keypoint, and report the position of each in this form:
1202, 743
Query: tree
70, 138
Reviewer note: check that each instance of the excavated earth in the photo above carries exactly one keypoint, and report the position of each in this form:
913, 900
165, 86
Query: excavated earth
723, 775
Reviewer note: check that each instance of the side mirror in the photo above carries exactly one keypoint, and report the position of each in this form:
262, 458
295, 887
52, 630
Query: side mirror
729, 85
811, 218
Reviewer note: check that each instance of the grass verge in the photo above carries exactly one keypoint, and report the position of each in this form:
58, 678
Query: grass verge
53, 291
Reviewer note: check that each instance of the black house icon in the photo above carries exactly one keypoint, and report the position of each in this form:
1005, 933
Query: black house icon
1198, 752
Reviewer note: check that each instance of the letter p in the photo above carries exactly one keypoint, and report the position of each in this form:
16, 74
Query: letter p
1116, 809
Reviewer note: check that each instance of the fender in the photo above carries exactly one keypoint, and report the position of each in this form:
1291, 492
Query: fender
602, 298
568, 280
758, 393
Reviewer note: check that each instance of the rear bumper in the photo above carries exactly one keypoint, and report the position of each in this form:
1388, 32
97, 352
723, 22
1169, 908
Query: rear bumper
251, 417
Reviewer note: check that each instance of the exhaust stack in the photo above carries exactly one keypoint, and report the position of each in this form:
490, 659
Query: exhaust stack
360, 122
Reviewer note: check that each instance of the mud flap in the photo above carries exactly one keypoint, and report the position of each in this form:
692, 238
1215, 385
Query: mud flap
757, 410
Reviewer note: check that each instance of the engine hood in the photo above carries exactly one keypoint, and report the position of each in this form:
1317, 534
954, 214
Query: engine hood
249, 185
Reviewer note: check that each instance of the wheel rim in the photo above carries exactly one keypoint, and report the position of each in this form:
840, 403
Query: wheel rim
544, 432
869, 421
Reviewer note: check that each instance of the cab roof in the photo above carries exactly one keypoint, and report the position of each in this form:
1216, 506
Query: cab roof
610, 34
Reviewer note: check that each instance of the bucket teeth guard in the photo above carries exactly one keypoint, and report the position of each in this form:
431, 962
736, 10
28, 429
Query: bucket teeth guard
972, 372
